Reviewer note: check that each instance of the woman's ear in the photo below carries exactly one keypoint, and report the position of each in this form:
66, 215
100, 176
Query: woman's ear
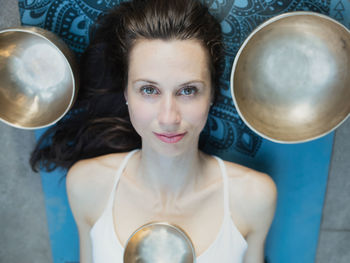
212, 98
126, 96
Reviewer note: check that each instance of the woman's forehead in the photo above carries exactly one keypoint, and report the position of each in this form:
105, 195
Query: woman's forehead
152, 58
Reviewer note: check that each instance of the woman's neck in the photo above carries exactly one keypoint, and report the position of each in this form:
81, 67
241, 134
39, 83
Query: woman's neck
170, 177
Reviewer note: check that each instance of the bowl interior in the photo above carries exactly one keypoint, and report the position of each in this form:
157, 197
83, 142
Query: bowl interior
37, 84
159, 242
290, 80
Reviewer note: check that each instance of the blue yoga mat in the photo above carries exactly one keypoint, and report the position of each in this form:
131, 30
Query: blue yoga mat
300, 171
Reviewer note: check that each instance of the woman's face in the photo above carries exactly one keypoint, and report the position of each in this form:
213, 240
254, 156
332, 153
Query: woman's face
168, 93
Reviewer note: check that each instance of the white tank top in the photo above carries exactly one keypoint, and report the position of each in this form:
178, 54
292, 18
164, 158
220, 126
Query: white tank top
229, 245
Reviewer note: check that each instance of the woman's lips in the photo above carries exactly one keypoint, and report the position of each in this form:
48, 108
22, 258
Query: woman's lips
170, 137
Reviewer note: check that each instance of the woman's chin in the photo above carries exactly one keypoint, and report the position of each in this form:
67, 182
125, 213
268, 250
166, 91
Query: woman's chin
170, 149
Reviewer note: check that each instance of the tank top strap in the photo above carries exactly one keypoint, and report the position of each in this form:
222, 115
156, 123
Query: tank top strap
118, 173
124, 163
225, 186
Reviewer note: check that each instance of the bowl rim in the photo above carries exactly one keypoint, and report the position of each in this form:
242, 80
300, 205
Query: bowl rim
235, 62
39, 32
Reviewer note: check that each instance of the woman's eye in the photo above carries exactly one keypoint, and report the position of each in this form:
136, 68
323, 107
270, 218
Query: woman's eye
188, 91
149, 90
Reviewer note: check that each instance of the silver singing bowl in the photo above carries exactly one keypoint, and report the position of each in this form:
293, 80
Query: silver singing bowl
290, 80
38, 77
159, 243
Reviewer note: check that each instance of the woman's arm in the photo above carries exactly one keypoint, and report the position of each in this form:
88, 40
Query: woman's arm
77, 196
252, 202
89, 183
259, 215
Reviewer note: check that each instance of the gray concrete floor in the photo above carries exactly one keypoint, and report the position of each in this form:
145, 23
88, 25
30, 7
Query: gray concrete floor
23, 226
334, 241
24, 236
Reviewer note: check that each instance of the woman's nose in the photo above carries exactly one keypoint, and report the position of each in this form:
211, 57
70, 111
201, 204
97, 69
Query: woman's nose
169, 113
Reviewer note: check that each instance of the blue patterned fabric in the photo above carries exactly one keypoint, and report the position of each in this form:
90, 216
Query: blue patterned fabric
300, 171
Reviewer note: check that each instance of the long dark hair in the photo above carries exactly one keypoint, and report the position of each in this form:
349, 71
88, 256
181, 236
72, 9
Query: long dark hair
99, 121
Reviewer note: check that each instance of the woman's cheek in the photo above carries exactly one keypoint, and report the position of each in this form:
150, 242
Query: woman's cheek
141, 116
198, 115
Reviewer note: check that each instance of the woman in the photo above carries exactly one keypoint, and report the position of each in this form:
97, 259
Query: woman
157, 64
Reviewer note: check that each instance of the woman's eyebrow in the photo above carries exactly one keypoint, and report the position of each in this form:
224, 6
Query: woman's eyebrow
145, 80
182, 84
192, 82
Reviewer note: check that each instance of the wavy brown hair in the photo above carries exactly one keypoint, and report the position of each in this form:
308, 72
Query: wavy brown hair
99, 121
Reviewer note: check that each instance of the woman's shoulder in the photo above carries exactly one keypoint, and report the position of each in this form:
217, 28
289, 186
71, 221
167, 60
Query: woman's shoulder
245, 180
252, 181
255, 190
94, 170
110, 161
89, 183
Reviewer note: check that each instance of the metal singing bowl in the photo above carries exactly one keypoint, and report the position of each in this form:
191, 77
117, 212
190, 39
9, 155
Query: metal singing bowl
159, 243
290, 80
38, 77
